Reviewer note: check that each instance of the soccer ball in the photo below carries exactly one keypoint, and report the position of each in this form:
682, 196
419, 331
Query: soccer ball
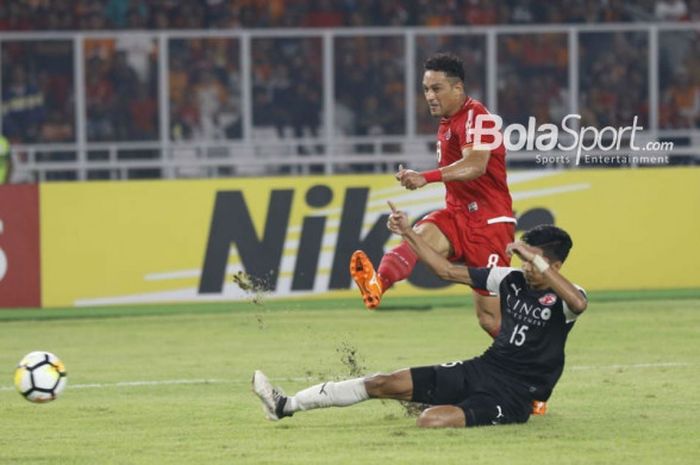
40, 376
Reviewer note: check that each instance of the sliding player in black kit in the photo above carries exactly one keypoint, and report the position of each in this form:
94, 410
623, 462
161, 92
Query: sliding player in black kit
538, 309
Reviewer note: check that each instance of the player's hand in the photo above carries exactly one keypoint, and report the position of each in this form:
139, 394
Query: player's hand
525, 252
410, 179
399, 174
398, 221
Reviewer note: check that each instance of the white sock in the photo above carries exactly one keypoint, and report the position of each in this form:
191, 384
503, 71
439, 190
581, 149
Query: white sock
329, 394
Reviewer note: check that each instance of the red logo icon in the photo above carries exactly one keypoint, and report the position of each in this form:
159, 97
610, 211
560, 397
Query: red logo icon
548, 299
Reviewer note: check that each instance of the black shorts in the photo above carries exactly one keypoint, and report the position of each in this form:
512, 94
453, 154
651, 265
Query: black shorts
487, 396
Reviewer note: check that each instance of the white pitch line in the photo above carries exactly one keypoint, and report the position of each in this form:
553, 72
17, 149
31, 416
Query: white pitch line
171, 382
634, 365
165, 382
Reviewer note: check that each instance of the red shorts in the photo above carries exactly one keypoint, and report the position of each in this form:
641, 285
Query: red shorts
475, 243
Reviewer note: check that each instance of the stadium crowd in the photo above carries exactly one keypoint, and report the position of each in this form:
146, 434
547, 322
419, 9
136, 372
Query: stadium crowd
533, 78
615, 87
37, 92
18, 15
205, 101
204, 79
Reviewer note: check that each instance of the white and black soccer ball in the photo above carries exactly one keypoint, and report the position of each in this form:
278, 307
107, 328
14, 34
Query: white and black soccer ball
40, 376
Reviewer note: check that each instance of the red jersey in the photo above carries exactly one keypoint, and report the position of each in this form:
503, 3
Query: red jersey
486, 198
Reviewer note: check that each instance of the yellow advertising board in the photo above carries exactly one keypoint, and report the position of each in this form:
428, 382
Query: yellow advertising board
168, 241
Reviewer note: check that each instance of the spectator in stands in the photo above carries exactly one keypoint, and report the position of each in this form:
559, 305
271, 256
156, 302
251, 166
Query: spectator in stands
138, 48
37, 81
694, 11
671, 10
121, 12
683, 98
614, 79
211, 96
521, 13
345, 118
691, 60
615, 12
23, 108
57, 128
143, 112
125, 82
324, 14
533, 77
286, 79
205, 89
178, 79
99, 96
185, 119
481, 12
369, 69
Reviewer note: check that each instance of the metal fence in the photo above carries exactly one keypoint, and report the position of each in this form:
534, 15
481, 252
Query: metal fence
122, 105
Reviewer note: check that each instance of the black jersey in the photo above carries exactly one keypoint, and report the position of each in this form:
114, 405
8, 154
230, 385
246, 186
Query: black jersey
534, 328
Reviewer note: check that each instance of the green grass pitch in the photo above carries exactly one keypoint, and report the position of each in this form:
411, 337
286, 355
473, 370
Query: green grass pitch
170, 384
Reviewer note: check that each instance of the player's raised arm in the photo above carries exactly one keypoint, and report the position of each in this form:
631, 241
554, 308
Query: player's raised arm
575, 300
398, 224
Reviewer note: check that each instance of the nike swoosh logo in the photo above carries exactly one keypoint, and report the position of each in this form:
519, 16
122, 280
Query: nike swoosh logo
373, 280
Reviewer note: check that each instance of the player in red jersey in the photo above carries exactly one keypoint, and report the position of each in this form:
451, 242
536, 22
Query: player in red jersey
478, 221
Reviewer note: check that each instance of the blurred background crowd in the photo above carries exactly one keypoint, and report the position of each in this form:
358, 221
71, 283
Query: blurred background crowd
18, 15
204, 98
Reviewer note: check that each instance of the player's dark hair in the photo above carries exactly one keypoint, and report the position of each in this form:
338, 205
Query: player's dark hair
554, 242
448, 63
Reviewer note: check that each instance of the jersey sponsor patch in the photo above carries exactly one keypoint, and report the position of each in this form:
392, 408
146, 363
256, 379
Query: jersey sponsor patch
548, 299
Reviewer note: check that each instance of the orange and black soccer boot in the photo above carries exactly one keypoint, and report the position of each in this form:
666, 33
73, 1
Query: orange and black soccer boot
367, 280
539, 407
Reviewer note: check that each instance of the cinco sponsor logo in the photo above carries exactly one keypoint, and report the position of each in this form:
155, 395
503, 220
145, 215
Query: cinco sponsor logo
527, 311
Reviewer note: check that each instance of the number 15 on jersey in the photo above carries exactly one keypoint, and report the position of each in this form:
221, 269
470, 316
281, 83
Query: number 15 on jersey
518, 336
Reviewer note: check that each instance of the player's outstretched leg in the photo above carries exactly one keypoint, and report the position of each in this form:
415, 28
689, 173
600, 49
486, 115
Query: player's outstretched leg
366, 278
397, 385
277, 405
